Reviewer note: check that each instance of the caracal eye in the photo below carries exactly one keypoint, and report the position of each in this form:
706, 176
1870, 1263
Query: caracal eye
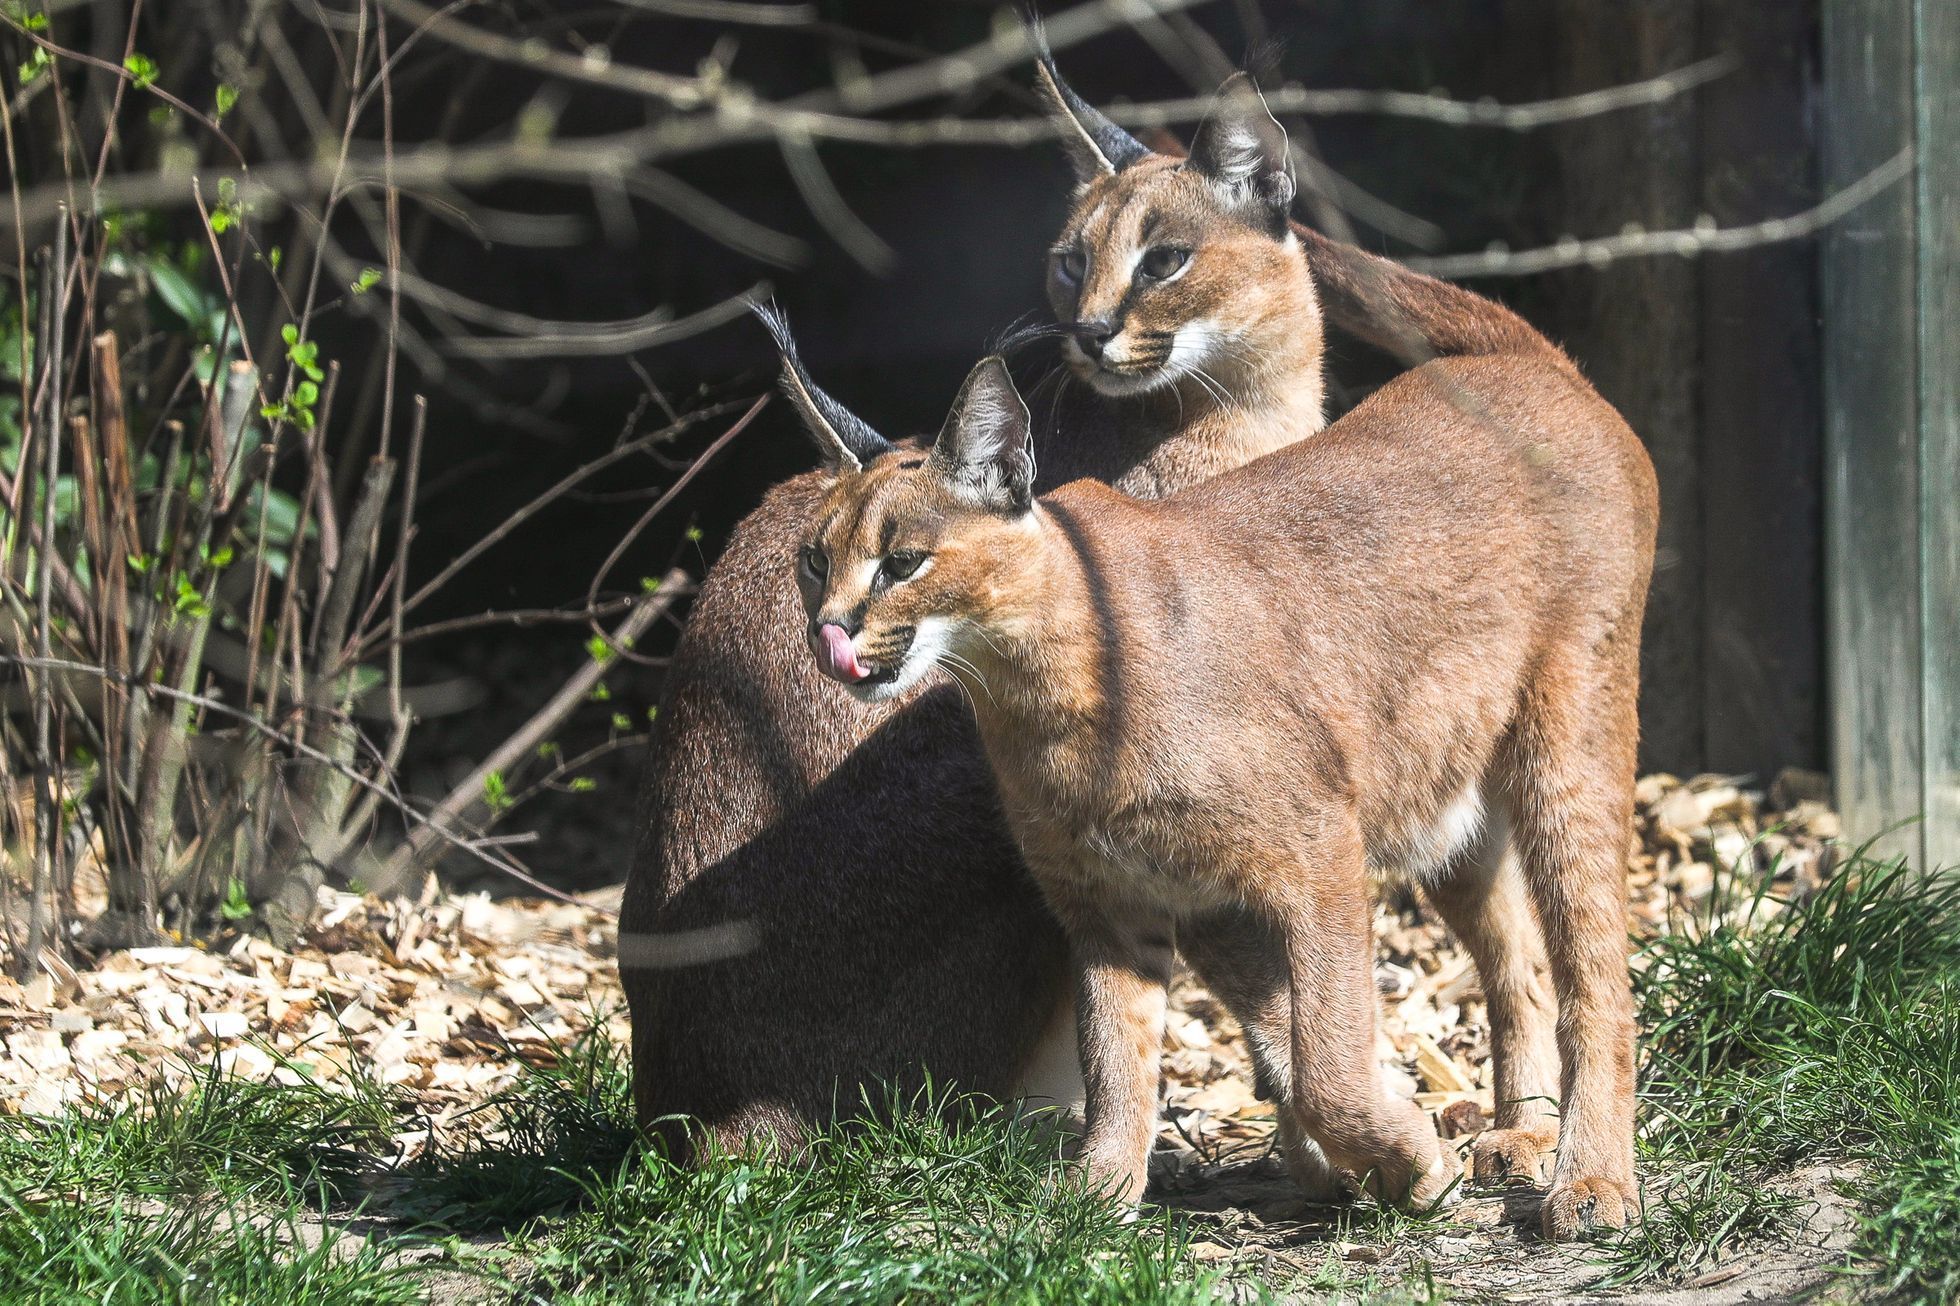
1162, 261
814, 562
904, 564
1072, 265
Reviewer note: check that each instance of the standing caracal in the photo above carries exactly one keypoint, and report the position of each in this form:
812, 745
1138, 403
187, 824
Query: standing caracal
1402, 643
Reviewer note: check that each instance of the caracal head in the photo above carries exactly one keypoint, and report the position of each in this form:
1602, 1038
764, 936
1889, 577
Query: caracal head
1171, 269
902, 563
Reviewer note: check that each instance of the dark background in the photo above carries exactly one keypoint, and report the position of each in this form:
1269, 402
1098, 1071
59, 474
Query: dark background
1714, 361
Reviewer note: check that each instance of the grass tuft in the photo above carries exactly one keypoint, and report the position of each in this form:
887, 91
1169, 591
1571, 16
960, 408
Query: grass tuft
63, 1249
963, 1206
1828, 1031
211, 1133
559, 1133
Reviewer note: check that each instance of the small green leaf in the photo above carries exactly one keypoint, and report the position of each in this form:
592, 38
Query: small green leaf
237, 904
649, 585
548, 749
600, 693
694, 535
189, 602
227, 97
141, 68
621, 721
599, 651
178, 292
495, 796
368, 280
305, 393
221, 559
653, 713
583, 784
290, 334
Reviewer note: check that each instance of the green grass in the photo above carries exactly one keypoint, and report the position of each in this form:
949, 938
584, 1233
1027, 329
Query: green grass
958, 1205
1828, 1033
214, 1134
64, 1249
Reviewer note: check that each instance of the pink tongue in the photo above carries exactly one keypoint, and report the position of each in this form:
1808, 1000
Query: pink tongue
839, 658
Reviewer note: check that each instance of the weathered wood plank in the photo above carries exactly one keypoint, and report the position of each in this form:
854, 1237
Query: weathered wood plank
1871, 442
1938, 131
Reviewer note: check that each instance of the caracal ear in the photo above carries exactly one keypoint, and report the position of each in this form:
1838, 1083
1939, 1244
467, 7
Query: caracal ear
1095, 146
844, 439
1242, 147
982, 451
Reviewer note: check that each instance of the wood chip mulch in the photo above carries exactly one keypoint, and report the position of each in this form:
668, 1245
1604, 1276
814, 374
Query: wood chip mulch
447, 997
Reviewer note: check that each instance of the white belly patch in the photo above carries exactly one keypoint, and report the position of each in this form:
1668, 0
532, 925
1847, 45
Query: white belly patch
1423, 851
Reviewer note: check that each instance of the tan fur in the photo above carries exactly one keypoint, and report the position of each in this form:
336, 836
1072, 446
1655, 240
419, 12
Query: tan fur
888, 930
1208, 714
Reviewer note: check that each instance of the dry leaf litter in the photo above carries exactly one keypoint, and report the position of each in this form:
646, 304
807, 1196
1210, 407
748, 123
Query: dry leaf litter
447, 997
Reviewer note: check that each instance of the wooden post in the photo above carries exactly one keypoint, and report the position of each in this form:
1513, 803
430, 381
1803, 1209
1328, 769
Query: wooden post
1891, 291
1636, 325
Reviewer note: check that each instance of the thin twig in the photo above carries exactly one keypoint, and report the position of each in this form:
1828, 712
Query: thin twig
41, 928
208, 704
468, 795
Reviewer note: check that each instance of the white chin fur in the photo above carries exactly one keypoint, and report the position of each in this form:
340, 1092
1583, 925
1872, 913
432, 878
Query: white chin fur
919, 659
1118, 386
1112, 384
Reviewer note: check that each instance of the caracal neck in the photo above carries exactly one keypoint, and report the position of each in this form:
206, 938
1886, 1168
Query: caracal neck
1187, 433
1037, 647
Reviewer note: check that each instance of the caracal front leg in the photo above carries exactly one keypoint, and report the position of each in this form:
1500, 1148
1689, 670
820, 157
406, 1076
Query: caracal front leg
1336, 1087
1122, 977
1241, 957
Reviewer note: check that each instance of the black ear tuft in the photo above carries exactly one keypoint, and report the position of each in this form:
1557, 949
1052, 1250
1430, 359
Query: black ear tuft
846, 442
1241, 146
982, 450
1096, 147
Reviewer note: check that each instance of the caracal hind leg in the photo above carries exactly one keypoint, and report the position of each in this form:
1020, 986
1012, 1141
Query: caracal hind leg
1122, 974
1334, 1080
1482, 899
1574, 816
1242, 960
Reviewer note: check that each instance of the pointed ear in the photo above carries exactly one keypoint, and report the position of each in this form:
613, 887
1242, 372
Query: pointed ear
845, 441
1096, 147
982, 451
1242, 146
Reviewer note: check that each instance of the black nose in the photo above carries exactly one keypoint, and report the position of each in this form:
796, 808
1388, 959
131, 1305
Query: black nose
846, 623
1091, 334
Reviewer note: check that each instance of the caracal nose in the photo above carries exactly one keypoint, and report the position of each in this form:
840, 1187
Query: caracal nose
1091, 334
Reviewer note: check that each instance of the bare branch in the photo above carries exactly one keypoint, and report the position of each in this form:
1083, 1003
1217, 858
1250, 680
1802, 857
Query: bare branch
1703, 238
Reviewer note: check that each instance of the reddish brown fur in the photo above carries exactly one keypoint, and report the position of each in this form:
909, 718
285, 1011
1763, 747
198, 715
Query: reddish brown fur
825, 900
887, 928
1208, 714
